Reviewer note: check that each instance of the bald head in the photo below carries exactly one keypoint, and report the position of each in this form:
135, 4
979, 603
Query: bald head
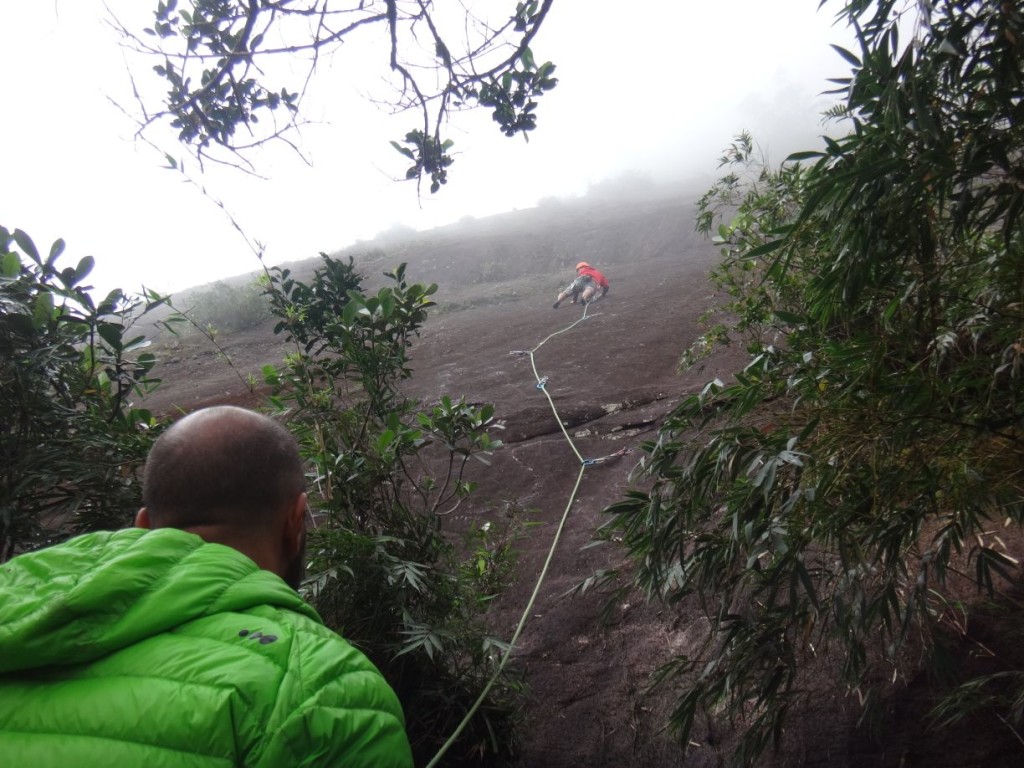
225, 467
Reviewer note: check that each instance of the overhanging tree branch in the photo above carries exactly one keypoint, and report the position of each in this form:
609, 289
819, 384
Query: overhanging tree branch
212, 61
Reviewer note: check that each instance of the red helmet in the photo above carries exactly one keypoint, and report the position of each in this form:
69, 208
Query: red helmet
581, 265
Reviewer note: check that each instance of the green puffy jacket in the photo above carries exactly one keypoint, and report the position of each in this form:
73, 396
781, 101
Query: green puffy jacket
155, 648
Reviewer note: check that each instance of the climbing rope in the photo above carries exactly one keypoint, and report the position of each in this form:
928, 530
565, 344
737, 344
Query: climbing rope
519, 628
541, 384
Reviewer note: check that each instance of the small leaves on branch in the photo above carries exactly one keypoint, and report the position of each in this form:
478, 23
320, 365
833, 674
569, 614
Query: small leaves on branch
512, 94
224, 98
429, 156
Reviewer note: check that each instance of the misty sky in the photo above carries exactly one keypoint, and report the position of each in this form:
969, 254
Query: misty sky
659, 89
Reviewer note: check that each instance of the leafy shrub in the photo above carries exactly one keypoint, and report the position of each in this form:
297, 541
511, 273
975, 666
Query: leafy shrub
386, 470
70, 440
821, 502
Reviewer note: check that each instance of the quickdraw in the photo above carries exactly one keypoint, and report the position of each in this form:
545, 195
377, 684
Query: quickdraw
609, 457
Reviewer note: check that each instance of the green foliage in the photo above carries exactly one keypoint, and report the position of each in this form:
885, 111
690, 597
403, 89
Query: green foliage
429, 156
229, 307
70, 440
492, 551
386, 472
224, 101
821, 503
511, 95
214, 59
307, 312
762, 202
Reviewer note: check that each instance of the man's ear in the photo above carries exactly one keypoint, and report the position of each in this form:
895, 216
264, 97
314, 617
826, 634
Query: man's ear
295, 525
142, 519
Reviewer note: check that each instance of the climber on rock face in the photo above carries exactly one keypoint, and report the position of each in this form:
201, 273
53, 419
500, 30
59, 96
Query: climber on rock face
585, 287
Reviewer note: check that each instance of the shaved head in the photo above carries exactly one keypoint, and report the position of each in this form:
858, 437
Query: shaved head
222, 466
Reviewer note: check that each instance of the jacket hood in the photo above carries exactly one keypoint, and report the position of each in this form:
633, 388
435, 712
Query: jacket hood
98, 593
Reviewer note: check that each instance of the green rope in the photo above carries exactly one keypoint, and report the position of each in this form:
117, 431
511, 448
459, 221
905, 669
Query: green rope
547, 561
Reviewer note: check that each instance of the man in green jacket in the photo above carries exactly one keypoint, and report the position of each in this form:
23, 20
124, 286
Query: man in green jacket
183, 642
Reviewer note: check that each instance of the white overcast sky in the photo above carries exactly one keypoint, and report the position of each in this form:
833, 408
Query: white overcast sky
658, 87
